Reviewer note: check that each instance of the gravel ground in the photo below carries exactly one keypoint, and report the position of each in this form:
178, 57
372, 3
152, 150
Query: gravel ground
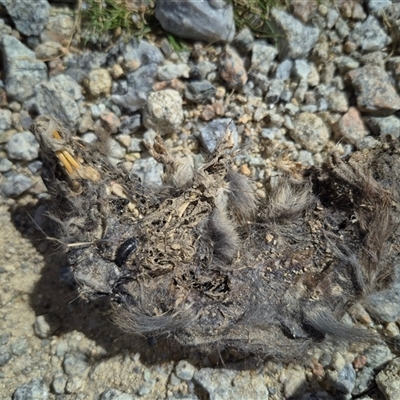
331, 82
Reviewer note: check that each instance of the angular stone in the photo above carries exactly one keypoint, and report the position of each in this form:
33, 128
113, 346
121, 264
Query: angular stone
369, 35
16, 184
262, 57
199, 91
375, 93
350, 126
296, 39
140, 83
52, 99
29, 17
36, 389
21, 69
214, 131
197, 20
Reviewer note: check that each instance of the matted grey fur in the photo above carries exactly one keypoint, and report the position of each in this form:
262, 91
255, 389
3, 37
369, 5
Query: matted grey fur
203, 259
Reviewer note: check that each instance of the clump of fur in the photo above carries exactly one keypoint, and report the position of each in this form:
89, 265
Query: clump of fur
214, 265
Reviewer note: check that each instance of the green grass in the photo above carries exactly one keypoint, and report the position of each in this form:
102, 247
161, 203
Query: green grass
101, 16
254, 14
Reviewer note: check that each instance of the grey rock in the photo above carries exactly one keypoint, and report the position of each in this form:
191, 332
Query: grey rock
45, 325
306, 158
376, 58
4, 339
301, 91
58, 383
5, 357
346, 64
199, 91
74, 384
5, 29
345, 379
385, 305
97, 110
216, 382
56, 99
140, 83
25, 119
364, 379
338, 101
261, 83
130, 124
16, 184
296, 39
29, 17
310, 131
388, 380
384, 125
184, 370
374, 90
286, 95
174, 380
378, 355
75, 363
143, 52
274, 92
114, 394
79, 65
214, 131
5, 119
22, 70
369, 35
149, 171
262, 57
183, 397
89, 137
331, 18
196, 20
20, 347
65, 83
342, 29
244, 41
202, 69
163, 111
322, 104
116, 150
284, 70
375, 5
23, 146
5, 165
135, 145
302, 69
172, 71
146, 388
36, 389
368, 143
